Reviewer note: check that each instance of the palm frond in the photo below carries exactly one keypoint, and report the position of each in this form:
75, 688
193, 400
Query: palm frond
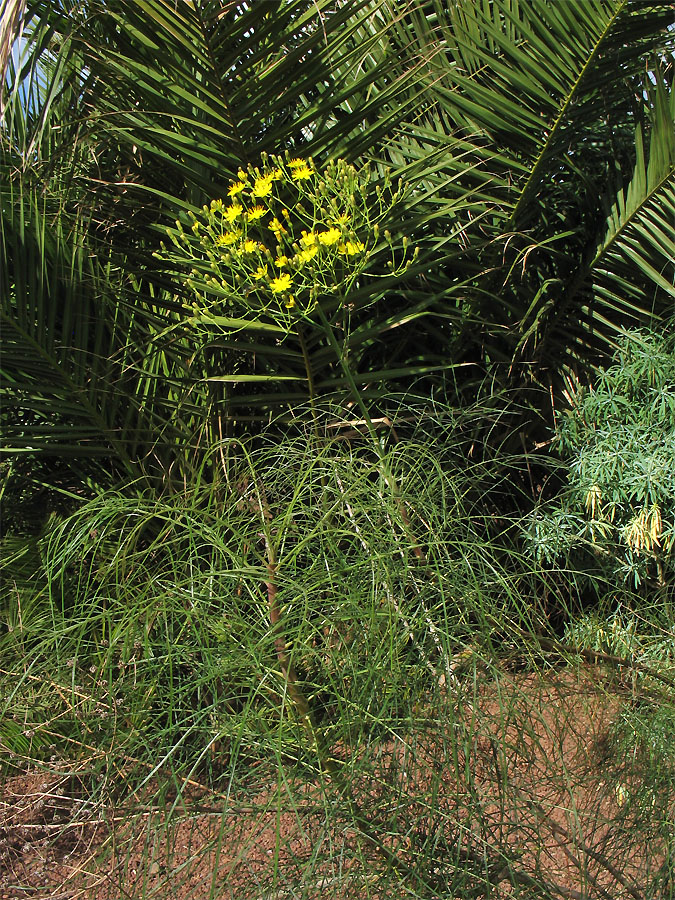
509, 120
635, 261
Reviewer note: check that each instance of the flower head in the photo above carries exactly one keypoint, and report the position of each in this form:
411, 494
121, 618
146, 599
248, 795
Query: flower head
276, 226
308, 239
236, 188
233, 212
229, 237
351, 248
282, 241
262, 186
256, 212
302, 173
330, 237
281, 284
304, 256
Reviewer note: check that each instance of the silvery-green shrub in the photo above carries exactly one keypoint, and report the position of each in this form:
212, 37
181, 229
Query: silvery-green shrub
616, 517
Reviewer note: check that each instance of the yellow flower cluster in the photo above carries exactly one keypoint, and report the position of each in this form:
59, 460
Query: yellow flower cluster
286, 235
644, 532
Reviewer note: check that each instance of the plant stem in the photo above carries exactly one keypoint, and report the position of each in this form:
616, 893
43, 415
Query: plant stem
356, 394
389, 478
310, 377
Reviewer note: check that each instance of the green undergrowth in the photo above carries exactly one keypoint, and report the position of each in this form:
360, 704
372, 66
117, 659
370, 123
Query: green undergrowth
154, 615
316, 628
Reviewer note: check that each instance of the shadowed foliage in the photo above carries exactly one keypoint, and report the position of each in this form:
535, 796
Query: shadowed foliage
536, 140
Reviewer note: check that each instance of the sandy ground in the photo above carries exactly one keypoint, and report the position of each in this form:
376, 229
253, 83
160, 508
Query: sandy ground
555, 808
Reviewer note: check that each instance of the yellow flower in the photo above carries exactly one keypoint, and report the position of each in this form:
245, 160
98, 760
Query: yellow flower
281, 261
342, 220
256, 212
302, 174
262, 186
351, 248
236, 188
276, 175
242, 175
260, 272
280, 284
290, 303
330, 237
276, 226
233, 212
308, 240
297, 164
304, 256
250, 246
229, 237
217, 205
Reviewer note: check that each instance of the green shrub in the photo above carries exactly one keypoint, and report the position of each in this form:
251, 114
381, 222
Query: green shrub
616, 521
163, 618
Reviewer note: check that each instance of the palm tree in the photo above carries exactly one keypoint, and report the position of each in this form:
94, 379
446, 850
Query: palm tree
536, 138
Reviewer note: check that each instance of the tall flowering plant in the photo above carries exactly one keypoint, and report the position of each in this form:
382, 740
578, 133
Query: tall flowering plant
285, 235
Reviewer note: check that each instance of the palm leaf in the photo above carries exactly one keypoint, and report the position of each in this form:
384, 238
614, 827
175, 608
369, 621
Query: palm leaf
71, 341
509, 120
525, 116
638, 248
629, 277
